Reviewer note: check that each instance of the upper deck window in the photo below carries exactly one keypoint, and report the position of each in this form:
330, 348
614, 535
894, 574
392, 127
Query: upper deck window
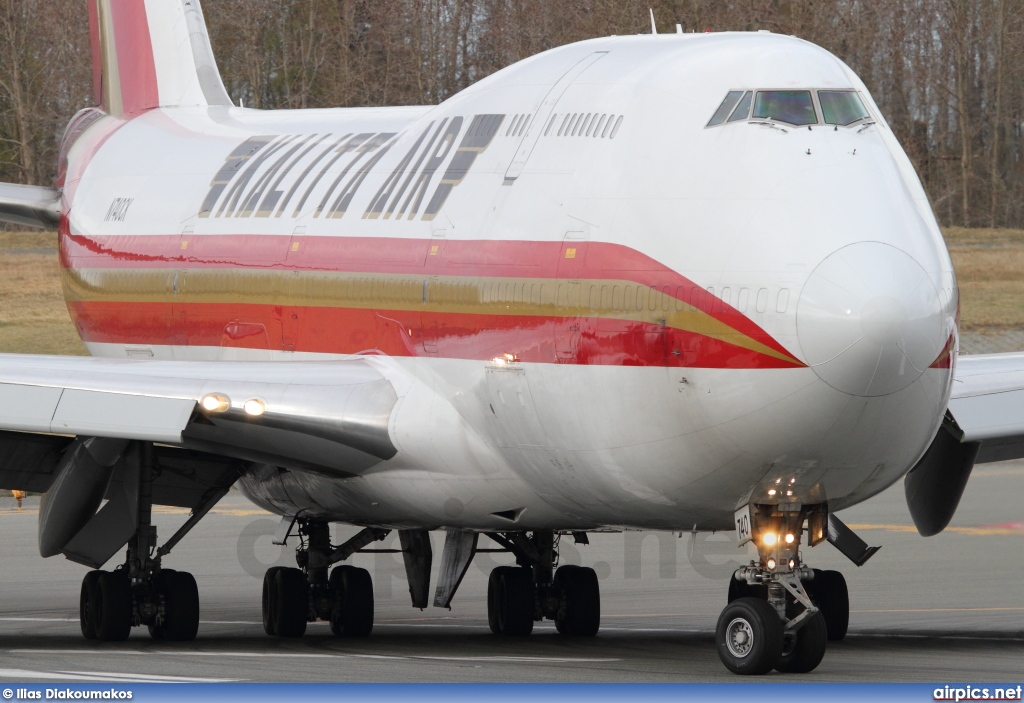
793, 107
841, 107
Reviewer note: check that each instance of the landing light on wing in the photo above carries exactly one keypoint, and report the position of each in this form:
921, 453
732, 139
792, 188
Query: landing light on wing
254, 407
215, 403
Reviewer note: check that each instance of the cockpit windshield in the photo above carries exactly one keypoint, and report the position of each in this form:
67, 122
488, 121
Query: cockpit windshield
726, 108
794, 107
791, 106
841, 107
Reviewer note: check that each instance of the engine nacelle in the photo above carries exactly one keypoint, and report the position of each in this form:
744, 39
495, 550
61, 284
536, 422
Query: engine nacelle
936, 484
80, 482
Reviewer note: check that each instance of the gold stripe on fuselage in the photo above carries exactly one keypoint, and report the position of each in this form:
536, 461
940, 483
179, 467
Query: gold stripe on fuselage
599, 298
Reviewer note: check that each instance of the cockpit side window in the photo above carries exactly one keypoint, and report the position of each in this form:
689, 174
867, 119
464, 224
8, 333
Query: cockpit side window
726, 108
841, 107
742, 110
793, 107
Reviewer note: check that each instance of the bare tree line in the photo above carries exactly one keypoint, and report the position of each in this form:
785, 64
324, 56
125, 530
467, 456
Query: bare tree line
946, 73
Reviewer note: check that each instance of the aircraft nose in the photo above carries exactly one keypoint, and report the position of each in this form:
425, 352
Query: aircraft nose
870, 320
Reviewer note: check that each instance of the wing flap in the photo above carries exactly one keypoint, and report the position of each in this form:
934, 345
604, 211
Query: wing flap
28, 408
102, 414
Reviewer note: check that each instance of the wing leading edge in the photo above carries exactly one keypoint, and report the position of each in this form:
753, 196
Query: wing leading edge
987, 405
329, 417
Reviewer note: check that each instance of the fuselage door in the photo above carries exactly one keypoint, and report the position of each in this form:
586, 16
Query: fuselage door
568, 295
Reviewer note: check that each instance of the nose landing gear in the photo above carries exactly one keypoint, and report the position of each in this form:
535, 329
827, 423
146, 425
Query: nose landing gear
781, 613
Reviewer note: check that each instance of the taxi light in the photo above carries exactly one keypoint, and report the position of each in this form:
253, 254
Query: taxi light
771, 491
769, 539
254, 407
215, 403
789, 539
771, 564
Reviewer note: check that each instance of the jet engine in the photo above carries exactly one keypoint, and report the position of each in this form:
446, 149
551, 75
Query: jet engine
935, 485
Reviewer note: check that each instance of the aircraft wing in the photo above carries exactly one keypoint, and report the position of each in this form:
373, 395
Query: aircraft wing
325, 416
35, 206
987, 404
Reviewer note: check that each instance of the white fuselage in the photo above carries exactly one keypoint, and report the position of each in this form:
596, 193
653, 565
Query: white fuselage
641, 322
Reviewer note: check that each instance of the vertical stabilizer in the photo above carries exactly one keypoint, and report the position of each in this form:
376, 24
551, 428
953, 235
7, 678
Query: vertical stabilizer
152, 53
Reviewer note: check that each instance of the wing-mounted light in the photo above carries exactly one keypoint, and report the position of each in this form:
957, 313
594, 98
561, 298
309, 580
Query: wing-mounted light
337, 426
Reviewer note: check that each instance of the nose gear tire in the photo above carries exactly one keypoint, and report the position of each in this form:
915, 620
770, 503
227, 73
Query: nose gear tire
806, 648
749, 637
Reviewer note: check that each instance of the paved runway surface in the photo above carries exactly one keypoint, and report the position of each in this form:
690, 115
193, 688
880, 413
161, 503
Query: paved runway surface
948, 608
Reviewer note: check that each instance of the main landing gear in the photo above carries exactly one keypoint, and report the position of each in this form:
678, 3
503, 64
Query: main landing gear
518, 596
293, 597
781, 613
140, 592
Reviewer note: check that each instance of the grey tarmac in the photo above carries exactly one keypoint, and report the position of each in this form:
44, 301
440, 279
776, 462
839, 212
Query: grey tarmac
948, 608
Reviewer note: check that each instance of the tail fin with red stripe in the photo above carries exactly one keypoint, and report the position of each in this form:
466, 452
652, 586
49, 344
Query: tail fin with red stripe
152, 53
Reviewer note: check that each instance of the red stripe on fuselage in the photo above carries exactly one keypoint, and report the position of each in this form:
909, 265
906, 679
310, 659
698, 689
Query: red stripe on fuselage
404, 333
135, 62
479, 258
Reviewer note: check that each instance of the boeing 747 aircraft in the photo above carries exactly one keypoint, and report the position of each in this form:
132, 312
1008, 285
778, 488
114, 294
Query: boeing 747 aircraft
669, 282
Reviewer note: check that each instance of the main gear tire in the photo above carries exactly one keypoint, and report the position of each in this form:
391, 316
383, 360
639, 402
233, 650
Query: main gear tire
511, 600
579, 612
112, 607
352, 588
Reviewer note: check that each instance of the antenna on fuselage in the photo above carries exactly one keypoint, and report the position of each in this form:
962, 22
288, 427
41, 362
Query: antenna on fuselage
654, 27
